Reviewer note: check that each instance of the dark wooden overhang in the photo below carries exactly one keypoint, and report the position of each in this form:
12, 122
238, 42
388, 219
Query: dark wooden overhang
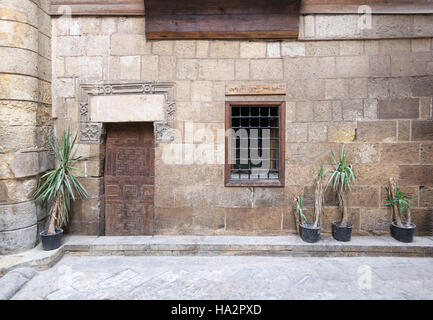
222, 19
136, 7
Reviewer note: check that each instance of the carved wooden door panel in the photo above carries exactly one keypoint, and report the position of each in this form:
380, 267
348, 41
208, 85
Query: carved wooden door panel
129, 179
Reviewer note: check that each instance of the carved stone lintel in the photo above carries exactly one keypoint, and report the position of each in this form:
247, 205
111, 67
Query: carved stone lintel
92, 132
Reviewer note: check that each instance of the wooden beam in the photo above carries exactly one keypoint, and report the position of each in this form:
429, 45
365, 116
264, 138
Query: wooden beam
377, 6
222, 19
136, 7
98, 7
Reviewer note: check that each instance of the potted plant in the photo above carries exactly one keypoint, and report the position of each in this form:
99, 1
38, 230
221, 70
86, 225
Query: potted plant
310, 231
402, 228
341, 178
305, 229
59, 186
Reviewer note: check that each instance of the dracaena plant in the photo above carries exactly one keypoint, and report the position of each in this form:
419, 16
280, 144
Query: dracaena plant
399, 201
319, 196
300, 218
341, 178
60, 185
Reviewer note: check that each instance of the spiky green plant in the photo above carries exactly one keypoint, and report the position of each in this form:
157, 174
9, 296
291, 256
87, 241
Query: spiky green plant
60, 185
402, 201
298, 208
341, 178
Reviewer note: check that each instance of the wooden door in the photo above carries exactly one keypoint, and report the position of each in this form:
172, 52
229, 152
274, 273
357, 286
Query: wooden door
129, 179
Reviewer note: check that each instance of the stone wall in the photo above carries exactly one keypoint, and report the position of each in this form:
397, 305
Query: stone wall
373, 96
25, 114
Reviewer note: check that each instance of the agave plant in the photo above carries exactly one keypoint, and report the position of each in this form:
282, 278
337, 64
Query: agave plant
341, 178
60, 184
396, 198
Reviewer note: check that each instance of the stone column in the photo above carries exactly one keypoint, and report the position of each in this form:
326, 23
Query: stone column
25, 114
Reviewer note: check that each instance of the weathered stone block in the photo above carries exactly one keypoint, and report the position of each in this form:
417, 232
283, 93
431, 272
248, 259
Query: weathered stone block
308, 153
224, 49
252, 49
363, 197
84, 67
398, 109
422, 130
403, 130
375, 220
341, 132
380, 66
402, 153
129, 44
17, 216
422, 86
352, 109
18, 240
415, 175
184, 48
317, 132
187, 69
362, 152
314, 89
413, 65
167, 68
426, 152
264, 69
292, 49
305, 111
87, 210
222, 69
253, 219
322, 48
242, 70
377, 131
162, 48
358, 88
274, 50
323, 110
425, 107
352, 67
202, 49
149, 67
173, 220
297, 132
426, 196
201, 91
208, 219
374, 175
130, 67
337, 89
423, 219
351, 48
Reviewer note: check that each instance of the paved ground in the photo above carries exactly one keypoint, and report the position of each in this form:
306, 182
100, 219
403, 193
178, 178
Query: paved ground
225, 277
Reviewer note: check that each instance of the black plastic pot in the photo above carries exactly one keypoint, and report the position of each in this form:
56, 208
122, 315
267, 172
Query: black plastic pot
341, 233
309, 233
53, 241
404, 233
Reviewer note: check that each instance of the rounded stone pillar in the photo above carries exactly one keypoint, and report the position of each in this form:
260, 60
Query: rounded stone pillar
25, 114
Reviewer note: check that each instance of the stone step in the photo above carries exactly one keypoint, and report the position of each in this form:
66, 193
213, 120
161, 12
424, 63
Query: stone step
289, 245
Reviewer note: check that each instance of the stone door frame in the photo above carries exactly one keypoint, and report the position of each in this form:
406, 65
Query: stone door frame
93, 132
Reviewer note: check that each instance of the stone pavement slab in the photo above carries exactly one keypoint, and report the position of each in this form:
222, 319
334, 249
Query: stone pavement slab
232, 277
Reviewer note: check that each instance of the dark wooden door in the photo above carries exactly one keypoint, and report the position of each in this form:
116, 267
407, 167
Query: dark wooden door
129, 179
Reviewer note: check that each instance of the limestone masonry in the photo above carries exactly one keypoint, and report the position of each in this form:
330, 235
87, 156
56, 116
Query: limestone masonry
370, 90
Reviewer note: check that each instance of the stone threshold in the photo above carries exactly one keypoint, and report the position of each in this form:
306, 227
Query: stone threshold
290, 245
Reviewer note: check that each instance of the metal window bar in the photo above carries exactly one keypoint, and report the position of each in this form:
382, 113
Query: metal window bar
260, 162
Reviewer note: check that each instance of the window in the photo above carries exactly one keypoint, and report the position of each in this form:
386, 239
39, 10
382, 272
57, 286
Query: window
255, 144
